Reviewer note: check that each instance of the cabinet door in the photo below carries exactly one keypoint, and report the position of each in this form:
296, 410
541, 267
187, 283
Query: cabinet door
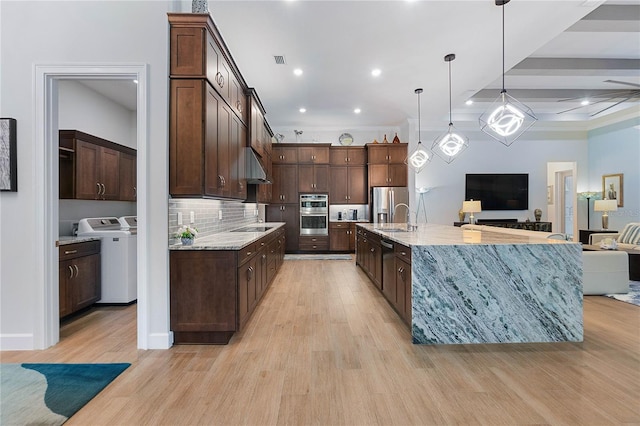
127, 177
397, 153
186, 145
377, 154
357, 185
246, 290
87, 158
397, 175
378, 175
257, 128
352, 237
403, 286
313, 155
212, 181
285, 183
306, 178
224, 150
85, 286
338, 156
339, 237
338, 185
65, 274
357, 157
321, 178
238, 99
186, 52
237, 184
291, 216
284, 155
376, 263
109, 173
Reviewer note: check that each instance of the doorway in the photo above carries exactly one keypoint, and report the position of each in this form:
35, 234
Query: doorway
561, 197
565, 183
47, 330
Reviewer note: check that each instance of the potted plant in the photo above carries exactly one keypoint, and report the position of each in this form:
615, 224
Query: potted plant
187, 234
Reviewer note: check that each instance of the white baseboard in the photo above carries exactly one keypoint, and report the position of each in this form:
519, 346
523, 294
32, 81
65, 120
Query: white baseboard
16, 342
160, 340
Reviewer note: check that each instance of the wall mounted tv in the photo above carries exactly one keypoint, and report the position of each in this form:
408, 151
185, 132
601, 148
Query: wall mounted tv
498, 191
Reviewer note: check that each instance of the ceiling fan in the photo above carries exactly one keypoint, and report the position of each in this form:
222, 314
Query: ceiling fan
617, 96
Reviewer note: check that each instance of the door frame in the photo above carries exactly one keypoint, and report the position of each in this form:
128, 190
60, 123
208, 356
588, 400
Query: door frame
45, 166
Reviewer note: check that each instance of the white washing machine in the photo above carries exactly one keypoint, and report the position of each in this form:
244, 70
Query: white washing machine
118, 255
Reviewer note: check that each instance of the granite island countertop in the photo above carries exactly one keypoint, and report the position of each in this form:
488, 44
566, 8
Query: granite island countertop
230, 240
484, 286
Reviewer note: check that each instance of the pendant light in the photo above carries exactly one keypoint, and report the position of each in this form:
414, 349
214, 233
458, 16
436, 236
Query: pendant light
450, 144
419, 157
507, 118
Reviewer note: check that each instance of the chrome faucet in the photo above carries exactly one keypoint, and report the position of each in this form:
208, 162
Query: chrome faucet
410, 227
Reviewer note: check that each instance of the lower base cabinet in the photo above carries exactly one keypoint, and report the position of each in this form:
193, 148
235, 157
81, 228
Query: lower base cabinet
315, 243
214, 292
79, 276
369, 255
342, 236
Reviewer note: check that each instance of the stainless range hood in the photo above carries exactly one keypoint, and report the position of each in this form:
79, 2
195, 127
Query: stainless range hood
255, 173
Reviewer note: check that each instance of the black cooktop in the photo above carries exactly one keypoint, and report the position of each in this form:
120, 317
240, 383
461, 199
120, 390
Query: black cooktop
253, 229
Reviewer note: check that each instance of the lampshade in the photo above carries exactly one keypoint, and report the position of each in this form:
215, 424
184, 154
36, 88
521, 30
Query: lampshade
471, 206
507, 118
605, 205
450, 144
418, 158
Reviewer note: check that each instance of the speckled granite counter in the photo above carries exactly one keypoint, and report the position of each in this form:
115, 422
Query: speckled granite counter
73, 240
489, 287
230, 240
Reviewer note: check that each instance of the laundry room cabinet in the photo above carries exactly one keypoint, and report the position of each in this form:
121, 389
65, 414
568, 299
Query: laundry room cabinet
79, 275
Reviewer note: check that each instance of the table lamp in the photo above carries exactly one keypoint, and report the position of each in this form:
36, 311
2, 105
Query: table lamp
605, 206
471, 207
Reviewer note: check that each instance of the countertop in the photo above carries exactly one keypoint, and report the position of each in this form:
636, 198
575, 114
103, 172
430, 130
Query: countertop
433, 234
73, 240
348, 221
229, 240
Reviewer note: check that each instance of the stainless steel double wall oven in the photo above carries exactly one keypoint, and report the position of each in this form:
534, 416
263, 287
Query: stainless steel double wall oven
314, 214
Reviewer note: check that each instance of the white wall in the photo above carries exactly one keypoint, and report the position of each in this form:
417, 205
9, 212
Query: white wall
81, 108
616, 149
70, 33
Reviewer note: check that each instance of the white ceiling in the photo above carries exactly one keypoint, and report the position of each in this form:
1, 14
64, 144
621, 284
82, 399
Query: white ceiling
553, 50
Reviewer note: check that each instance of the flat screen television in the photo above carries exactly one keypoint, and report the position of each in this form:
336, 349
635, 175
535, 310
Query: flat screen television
506, 191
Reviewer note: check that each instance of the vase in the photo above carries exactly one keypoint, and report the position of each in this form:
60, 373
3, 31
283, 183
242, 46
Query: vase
461, 215
538, 214
385, 139
199, 6
187, 241
396, 139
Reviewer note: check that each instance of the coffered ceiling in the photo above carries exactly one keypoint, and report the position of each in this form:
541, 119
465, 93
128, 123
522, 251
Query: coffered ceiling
554, 50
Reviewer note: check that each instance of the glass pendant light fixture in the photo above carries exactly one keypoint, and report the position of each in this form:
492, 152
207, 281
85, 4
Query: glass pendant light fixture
419, 157
450, 144
507, 118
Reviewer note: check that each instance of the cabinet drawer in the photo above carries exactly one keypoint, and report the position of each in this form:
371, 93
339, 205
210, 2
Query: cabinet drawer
339, 225
315, 243
72, 251
403, 252
246, 253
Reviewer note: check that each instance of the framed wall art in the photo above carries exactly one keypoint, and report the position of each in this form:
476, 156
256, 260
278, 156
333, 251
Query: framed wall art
8, 155
612, 188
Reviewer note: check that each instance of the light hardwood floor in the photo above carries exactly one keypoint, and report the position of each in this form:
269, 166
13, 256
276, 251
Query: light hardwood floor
324, 348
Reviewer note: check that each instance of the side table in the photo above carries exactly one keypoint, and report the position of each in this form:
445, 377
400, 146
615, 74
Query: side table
584, 234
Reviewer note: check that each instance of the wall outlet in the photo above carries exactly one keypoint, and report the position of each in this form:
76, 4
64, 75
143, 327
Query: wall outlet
179, 218
220, 214
192, 217
255, 213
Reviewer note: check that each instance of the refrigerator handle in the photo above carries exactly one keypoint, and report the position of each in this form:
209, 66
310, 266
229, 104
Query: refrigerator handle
392, 205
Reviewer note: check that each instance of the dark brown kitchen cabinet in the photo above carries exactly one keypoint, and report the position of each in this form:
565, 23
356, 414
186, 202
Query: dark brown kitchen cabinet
403, 289
348, 185
313, 154
284, 154
79, 276
90, 167
342, 236
128, 189
343, 156
256, 129
386, 164
214, 292
369, 255
314, 243
290, 215
284, 188
313, 178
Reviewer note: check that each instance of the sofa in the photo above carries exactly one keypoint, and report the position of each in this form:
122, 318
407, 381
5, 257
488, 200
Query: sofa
604, 272
628, 238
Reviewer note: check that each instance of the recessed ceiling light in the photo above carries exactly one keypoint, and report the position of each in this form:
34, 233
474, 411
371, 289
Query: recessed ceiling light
297, 71
357, 110
302, 110
469, 102
376, 72
585, 102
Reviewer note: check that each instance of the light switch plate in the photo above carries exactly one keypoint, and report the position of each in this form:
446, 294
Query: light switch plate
192, 217
179, 218
220, 214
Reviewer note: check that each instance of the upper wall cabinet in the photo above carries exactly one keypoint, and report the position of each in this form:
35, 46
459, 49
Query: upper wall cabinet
90, 168
198, 51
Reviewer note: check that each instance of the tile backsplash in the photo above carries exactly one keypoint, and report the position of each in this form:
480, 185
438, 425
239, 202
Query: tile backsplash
207, 215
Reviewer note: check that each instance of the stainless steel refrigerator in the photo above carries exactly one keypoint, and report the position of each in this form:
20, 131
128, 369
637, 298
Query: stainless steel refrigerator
383, 201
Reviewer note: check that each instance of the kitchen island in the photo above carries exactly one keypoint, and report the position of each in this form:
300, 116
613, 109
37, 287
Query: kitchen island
470, 286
